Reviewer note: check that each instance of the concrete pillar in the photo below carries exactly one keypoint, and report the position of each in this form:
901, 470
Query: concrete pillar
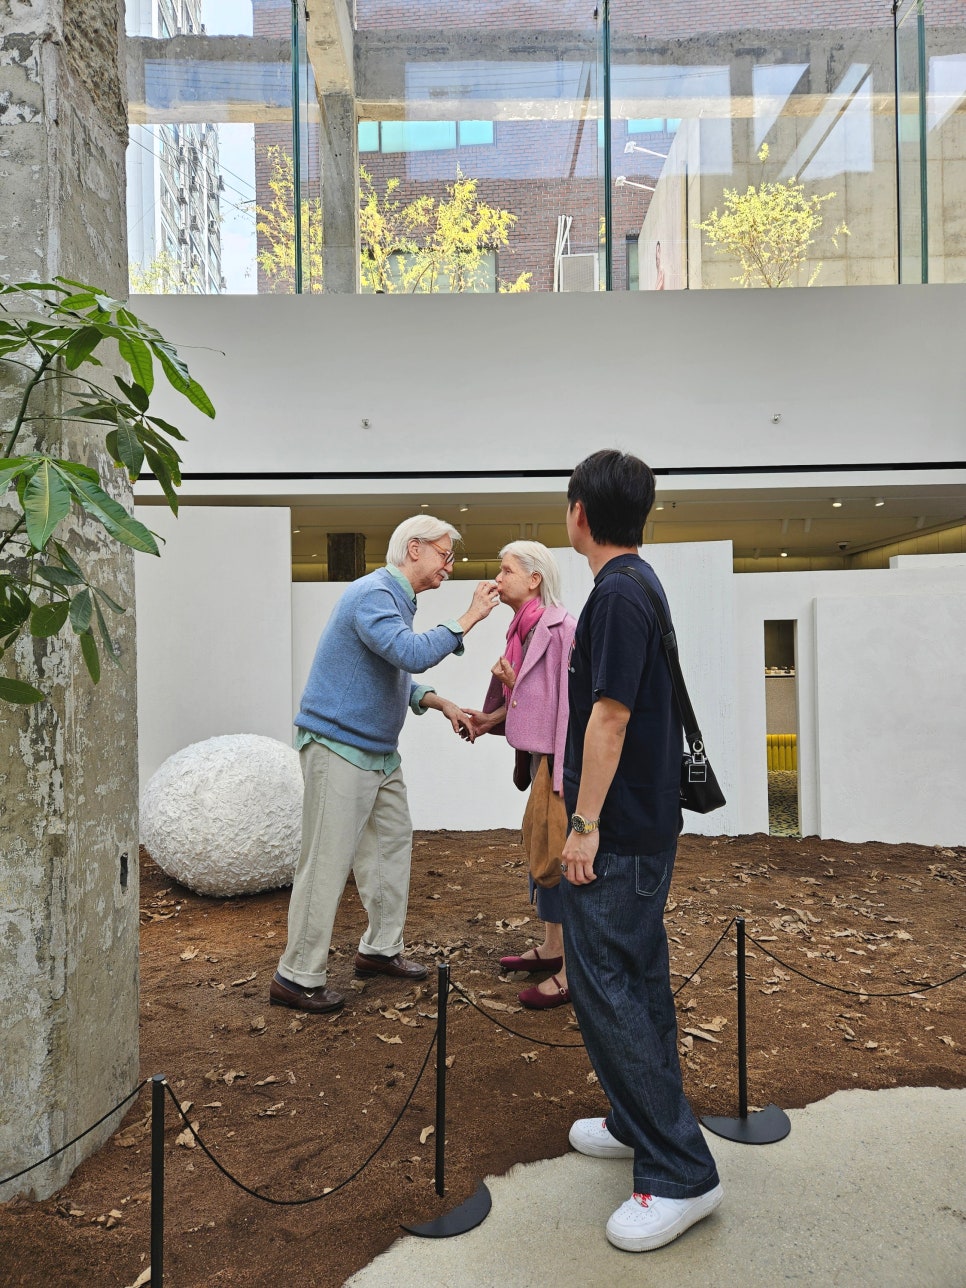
340, 195
68, 767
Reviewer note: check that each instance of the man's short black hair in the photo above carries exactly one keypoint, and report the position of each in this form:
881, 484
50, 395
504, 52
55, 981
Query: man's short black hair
617, 492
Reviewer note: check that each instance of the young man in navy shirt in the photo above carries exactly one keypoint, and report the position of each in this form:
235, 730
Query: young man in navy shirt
621, 784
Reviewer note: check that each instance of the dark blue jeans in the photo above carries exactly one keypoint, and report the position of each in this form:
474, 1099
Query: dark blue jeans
620, 985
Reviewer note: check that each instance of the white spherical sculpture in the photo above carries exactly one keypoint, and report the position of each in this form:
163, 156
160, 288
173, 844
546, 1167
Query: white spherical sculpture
224, 816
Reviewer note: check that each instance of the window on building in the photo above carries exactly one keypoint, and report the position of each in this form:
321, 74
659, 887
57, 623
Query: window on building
423, 136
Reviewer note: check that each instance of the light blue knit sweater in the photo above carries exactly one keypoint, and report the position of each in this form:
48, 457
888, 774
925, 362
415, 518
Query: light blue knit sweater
360, 683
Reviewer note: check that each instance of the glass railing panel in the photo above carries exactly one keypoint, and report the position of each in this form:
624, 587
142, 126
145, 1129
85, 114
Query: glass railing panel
753, 145
210, 93
943, 71
479, 146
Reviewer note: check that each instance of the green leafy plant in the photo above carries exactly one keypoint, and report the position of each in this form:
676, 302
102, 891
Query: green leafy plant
48, 332
431, 244
768, 229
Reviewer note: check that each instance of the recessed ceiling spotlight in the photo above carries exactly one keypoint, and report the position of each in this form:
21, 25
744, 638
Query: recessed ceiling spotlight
424, 505
784, 554
836, 503
465, 559
464, 509
315, 556
659, 506
877, 501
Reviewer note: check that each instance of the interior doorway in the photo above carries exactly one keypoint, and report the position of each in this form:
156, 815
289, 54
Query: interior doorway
781, 728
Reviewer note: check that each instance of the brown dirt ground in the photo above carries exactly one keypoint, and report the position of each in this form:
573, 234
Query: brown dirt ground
294, 1104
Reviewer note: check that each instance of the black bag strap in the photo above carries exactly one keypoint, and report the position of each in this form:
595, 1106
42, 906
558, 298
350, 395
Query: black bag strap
670, 643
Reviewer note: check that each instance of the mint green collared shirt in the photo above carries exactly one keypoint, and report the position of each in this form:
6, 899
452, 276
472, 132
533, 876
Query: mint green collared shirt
390, 761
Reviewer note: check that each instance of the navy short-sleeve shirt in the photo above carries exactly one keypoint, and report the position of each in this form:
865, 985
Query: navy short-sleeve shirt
617, 653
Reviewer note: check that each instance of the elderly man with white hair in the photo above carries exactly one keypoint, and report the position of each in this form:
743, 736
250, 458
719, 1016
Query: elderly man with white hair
355, 815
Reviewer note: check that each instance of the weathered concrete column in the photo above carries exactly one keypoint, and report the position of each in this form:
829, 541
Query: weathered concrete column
68, 767
346, 555
340, 195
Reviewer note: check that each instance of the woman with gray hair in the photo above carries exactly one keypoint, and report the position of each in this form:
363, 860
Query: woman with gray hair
527, 701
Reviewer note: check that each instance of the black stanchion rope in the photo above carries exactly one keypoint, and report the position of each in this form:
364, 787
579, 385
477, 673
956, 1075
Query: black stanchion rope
714, 949
853, 992
563, 1046
312, 1198
87, 1132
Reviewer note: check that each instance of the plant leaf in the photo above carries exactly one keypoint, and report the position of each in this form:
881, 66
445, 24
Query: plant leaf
91, 660
19, 691
15, 606
137, 355
196, 395
68, 560
46, 501
80, 612
134, 392
129, 448
81, 345
60, 576
10, 471
47, 619
109, 648
171, 430
112, 604
122, 527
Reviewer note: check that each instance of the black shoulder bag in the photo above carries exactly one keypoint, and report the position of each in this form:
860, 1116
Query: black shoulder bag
699, 787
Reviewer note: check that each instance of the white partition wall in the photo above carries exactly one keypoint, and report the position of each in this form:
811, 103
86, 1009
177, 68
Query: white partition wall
881, 675
214, 626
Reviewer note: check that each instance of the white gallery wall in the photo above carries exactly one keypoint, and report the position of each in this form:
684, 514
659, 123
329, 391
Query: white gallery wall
517, 382
214, 628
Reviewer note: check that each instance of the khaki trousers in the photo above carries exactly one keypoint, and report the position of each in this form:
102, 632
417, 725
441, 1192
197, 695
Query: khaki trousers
353, 820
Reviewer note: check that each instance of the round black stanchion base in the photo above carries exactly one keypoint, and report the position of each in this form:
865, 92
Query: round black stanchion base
465, 1217
763, 1127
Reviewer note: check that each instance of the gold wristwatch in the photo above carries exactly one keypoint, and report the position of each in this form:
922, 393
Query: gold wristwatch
583, 825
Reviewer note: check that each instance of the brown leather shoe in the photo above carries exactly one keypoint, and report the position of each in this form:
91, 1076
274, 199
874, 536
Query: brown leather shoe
398, 967
284, 992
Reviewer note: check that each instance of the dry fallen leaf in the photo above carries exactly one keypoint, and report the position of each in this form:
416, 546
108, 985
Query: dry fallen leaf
189, 954
529, 1056
143, 1279
237, 983
186, 1139
267, 1081
715, 1025
394, 1040
425, 1134
705, 1037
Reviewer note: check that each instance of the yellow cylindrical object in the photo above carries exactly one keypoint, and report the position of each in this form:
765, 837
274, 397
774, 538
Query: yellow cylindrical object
782, 751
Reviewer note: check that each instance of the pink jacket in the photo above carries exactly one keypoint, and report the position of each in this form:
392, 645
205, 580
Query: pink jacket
536, 718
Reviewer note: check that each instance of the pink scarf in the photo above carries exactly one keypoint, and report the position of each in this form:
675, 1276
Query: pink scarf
525, 618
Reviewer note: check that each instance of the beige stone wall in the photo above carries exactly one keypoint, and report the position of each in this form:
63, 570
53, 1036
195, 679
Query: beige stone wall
68, 767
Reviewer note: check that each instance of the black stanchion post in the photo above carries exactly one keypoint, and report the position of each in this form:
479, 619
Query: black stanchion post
476, 1208
442, 1006
765, 1126
742, 1027
157, 1180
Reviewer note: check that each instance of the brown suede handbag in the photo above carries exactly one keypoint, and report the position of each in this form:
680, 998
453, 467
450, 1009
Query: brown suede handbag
544, 828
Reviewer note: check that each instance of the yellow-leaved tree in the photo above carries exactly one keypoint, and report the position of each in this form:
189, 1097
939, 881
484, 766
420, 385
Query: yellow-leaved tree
275, 224
432, 244
769, 229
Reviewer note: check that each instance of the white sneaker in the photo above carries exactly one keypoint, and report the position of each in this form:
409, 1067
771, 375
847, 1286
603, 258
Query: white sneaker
645, 1222
590, 1136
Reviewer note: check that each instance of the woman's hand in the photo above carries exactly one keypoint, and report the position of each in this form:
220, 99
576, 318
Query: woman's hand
483, 721
504, 672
